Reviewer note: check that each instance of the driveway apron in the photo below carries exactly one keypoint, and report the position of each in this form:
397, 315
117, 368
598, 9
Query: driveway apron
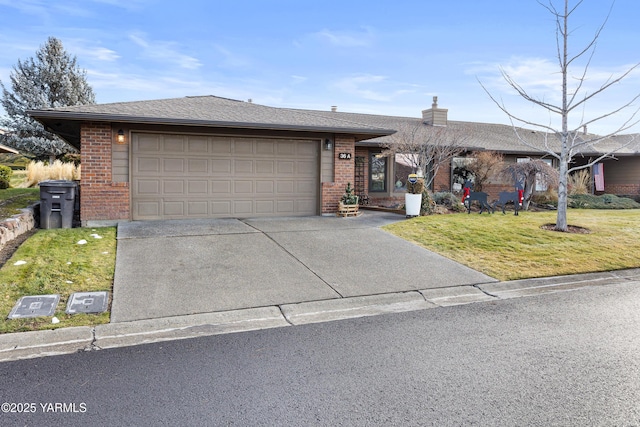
173, 268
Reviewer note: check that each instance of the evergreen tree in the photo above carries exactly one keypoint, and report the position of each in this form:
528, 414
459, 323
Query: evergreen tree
51, 80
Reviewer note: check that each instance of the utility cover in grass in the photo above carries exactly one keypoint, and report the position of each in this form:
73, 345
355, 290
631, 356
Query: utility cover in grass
88, 302
34, 306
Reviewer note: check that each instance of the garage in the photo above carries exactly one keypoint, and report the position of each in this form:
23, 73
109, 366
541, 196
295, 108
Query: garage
179, 176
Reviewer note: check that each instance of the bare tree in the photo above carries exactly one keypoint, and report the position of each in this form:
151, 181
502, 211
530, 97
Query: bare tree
530, 173
425, 148
484, 166
564, 143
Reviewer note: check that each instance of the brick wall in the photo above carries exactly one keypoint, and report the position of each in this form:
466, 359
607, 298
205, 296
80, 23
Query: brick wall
343, 172
101, 199
621, 189
442, 180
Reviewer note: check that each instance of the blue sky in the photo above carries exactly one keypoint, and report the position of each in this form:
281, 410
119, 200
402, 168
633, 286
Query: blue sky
362, 56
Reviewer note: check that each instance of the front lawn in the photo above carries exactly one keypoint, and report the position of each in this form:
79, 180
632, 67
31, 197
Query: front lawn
510, 247
54, 262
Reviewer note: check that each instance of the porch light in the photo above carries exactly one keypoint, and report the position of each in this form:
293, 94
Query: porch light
327, 144
120, 138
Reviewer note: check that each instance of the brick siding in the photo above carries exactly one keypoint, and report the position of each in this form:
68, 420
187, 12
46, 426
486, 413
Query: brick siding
101, 199
343, 172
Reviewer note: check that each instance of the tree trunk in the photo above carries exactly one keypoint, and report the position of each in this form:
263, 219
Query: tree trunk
561, 219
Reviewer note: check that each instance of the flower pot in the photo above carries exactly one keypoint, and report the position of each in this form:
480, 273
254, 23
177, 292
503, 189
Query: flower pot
412, 204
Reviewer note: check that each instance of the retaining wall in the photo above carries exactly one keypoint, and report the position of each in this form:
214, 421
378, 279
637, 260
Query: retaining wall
18, 224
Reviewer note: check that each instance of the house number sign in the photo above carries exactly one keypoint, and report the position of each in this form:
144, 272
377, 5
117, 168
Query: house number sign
344, 156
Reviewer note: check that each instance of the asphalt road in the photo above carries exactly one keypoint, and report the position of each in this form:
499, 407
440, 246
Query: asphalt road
570, 358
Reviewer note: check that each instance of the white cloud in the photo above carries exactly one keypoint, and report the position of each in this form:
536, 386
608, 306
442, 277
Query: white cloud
231, 59
374, 87
165, 52
347, 38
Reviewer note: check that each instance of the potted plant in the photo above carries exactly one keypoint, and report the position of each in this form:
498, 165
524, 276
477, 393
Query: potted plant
348, 205
413, 196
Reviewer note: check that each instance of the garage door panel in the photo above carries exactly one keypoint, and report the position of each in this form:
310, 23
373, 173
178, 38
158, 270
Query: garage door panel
221, 166
147, 164
173, 187
286, 207
173, 165
198, 144
197, 166
173, 208
198, 187
221, 146
198, 208
265, 188
302, 167
221, 187
241, 147
265, 207
182, 176
173, 144
221, 208
286, 167
265, 147
147, 144
308, 149
243, 207
243, 187
148, 187
148, 209
243, 166
265, 167
286, 187
286, 148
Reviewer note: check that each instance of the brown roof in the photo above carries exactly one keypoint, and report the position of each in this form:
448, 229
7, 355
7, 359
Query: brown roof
368, 129
206, 111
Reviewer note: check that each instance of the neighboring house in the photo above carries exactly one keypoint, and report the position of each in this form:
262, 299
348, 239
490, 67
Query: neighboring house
4, 148
207, 156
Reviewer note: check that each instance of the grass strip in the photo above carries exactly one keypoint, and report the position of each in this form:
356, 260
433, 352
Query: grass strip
56, 264
509, 247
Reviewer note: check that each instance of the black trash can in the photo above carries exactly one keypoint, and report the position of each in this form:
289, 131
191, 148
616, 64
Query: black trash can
57, 203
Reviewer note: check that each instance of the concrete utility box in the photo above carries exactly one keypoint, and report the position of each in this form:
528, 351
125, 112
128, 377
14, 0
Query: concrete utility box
57, 203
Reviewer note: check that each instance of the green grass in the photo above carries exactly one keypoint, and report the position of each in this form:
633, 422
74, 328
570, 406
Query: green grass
510, 247
57, 264
14, 199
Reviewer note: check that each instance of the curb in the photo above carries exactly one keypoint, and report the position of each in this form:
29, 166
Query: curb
25, 345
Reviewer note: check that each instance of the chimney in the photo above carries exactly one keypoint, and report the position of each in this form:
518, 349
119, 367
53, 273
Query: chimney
334, 108
435, 116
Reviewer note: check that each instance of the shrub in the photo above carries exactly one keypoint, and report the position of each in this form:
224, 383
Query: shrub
579, 182
4, 184
606, 201
5, 173
427, 206
446, 198
549, 197
39, 171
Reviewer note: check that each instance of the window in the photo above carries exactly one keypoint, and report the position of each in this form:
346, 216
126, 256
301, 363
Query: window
460, 173
378, 173
403, 167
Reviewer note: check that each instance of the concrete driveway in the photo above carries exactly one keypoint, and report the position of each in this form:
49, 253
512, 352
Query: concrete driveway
173, 268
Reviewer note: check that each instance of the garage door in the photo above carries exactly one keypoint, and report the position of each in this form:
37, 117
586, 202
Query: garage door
188, 176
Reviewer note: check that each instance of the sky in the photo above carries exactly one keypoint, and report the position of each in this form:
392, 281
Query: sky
385, 57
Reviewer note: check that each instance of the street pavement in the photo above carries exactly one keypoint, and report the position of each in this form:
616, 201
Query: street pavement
184, 279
